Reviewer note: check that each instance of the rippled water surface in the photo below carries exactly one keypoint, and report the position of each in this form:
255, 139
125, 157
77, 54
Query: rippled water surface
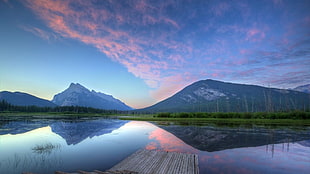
46, 145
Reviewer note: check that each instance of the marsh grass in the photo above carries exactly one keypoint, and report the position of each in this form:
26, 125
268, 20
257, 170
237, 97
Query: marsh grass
238, 115
36, 163
45, 148
225, 121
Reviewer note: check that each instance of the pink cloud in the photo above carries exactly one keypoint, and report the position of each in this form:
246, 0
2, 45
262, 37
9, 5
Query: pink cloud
149, 20
172, 84
215, 75
250, 72
284, 41
143, 7
177, 59
49, 36
220, 8
240, 61
252, 34
244, 51
255, 35
122, 46
171, 22
132, 37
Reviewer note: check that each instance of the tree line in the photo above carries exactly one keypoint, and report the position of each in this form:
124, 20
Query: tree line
242, 115
7, 107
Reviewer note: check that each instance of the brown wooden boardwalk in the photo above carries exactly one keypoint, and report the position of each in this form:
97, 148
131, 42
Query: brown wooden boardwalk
159, 162
152, 162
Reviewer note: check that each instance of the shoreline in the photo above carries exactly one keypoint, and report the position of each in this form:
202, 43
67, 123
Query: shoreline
151, 117
298, 122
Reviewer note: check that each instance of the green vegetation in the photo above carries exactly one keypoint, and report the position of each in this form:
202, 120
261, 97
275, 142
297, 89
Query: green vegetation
292, 117
280, 118
6, 107
238, 115
223, 120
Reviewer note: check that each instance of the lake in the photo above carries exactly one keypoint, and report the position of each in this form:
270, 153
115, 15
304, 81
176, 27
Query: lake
44, 145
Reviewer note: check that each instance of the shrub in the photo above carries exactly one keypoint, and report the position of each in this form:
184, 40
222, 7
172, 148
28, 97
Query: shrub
246, 115
164, 114
184, 115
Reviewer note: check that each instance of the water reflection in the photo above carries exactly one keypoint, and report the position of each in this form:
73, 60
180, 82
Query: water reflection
30, 151
168, 142
45, 148
305, 143
246, 149
47, 145
70, 145
211, 138
76, 132
257, 160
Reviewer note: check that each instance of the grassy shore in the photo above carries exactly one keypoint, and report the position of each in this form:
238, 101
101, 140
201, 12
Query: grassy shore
224, 120
234, 118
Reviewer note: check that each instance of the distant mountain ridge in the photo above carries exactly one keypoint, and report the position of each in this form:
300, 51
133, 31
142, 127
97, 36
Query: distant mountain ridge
216, 96
202, 96
303, 88
78, 95
24, 99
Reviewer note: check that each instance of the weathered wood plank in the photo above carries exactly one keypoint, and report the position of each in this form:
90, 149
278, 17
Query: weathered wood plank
172, 161
196, 164
159, 162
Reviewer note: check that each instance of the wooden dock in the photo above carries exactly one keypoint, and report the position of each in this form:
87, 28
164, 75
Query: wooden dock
151, 162
159, 162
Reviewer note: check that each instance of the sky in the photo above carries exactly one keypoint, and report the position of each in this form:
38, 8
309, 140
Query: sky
143, 51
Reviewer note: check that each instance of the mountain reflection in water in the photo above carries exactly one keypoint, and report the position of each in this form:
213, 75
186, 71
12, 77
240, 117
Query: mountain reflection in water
242, 149
46, 145
66, 144
211, 138
77, 132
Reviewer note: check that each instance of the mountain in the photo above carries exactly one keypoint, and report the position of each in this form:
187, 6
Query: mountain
78, 95
216, 96
303, 88
24, 99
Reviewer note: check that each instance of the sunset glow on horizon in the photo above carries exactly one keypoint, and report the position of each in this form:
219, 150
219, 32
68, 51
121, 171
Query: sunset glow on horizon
143, 51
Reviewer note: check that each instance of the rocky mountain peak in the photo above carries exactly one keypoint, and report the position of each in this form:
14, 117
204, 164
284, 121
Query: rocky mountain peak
77, 88
78, 95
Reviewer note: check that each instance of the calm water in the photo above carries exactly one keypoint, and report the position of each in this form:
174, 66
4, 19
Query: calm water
46, 145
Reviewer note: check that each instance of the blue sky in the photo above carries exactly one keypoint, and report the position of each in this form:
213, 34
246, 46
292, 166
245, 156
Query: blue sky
142, 51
